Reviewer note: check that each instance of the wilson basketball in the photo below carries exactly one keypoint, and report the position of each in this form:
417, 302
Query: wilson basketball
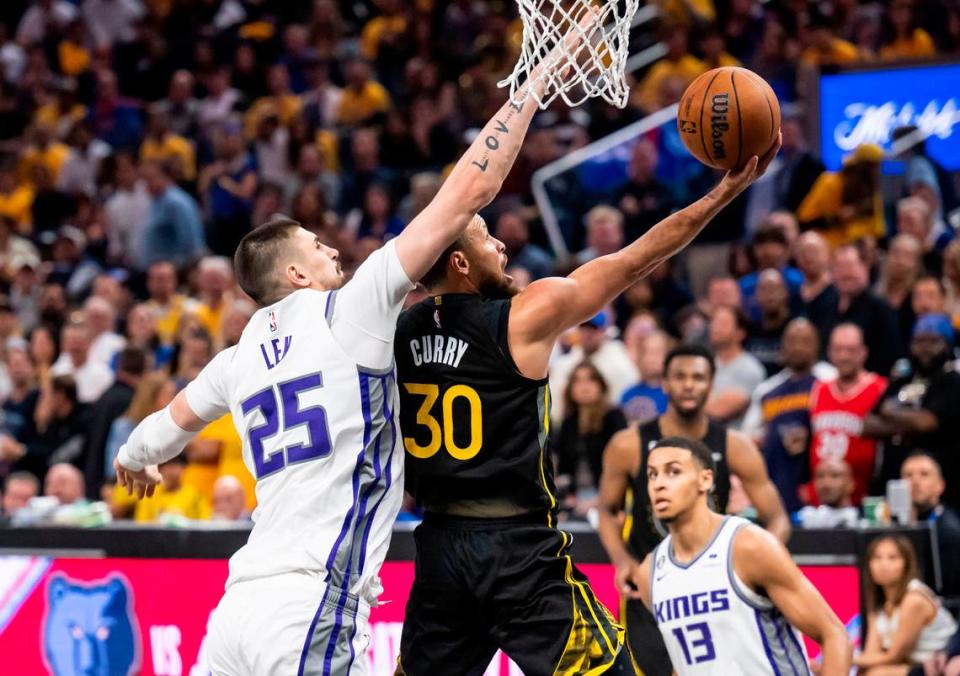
727, 115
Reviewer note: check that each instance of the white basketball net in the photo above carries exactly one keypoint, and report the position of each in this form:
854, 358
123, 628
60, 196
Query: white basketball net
575, 58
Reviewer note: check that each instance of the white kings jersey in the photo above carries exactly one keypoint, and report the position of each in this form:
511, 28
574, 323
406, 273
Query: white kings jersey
312, 390
711, 622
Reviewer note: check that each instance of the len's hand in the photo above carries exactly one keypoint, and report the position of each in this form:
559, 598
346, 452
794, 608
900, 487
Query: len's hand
738, 180
142, 483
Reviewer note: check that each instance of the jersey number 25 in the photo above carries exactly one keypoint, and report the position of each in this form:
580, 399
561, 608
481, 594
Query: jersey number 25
314, 417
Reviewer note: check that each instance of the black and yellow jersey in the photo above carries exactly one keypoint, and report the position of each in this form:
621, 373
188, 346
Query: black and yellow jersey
475, 430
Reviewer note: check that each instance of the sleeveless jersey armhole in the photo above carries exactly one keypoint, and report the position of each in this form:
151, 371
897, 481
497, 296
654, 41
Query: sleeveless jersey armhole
747, 595
497, 315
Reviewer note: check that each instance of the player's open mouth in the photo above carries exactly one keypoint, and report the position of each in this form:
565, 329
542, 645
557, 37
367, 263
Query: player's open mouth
660, 504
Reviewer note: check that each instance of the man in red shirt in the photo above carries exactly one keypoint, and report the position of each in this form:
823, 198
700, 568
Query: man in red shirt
839, 407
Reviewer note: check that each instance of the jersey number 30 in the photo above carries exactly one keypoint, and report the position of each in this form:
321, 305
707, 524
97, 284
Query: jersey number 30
314, 417
430, 394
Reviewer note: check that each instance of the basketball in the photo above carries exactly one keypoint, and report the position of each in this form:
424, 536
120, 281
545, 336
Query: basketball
727, 115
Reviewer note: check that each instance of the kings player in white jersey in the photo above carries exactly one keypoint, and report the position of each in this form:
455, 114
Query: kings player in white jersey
726, 595
312, 390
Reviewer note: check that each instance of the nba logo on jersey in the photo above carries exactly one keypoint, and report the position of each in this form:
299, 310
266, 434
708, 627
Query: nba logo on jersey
274, 326
436, 318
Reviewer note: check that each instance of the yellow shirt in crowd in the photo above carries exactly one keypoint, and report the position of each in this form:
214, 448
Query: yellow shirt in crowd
202, 476
356, 106
286, 108
687, 69
166, 319
840, 51
74, 58
52, 157
17, 205
919, 45
824, 201
187, 502
376, 29
171, 147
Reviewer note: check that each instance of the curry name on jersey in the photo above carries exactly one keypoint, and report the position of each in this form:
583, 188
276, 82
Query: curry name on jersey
474, 429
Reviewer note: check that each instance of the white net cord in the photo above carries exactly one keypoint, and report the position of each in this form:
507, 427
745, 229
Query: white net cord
571, 54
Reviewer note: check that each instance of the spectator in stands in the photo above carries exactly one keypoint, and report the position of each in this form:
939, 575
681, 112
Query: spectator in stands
738, 372
101, 318
61, 423
82, 166
677, 64
171, 150
906, 624
644, 199
229, 500
604, 233
92, 377
311, 171
153, 392
20, 404
196, 351
43, 18
44, 347
927, 485
847, 205
765, 335
174, 231
172, 498
126, 210
18, 489
901, 268
589, 422
115, 119
646, 400
920, 166
112, 22
825, 47
166, 305
799, 168
607, 354
839, 407
110, 406
770, 249
65, 483
512, 230
215, 282
857, 305
785, 414
363, 98
833, 484
902, 37
228, 186
918, 410
180, 109
929, 297
235, 320
916, 218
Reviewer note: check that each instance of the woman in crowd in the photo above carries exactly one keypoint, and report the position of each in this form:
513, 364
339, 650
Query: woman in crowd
589, 423
906, 624
153, 392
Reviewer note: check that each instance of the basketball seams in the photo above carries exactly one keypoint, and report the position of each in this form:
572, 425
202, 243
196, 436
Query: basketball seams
703, 105
736, 99
767, 92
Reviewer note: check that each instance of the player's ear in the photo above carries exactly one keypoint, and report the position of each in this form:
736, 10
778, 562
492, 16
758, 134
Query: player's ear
459, 261
296, 275
706, 481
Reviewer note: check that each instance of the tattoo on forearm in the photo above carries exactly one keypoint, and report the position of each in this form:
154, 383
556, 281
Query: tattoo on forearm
492, 140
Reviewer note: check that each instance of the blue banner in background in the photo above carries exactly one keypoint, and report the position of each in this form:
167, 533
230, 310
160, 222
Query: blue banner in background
866, 106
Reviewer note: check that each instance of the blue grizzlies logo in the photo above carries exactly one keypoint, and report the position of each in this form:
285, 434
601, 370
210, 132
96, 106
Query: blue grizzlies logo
89, 630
